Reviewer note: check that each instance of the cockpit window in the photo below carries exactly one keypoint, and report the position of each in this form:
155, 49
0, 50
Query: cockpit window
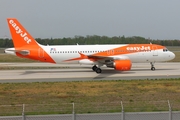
165, 50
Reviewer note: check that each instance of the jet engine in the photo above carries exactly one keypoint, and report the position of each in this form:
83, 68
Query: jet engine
122, 65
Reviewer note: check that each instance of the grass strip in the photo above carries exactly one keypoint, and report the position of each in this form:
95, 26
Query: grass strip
25, 68
89, 97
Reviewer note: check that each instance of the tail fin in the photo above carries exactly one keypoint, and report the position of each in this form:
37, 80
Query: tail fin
19, 34
25, 45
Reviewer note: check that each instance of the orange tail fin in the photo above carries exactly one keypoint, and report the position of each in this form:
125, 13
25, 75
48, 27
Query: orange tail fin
19, 34
25, 45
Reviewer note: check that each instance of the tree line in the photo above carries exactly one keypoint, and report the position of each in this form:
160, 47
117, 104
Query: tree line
95, 39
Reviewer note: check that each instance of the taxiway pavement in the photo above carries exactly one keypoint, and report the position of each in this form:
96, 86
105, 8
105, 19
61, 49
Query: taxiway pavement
76, 72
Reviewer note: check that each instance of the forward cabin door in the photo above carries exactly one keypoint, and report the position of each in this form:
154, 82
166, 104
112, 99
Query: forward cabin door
155, 52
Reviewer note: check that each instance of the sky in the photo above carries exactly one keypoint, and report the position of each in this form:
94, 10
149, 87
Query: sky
154, 19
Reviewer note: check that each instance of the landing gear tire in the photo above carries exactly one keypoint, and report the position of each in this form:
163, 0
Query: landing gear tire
153, 68
94, 68
98, 70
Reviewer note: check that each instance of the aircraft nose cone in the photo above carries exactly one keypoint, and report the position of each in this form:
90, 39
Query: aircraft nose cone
172, 55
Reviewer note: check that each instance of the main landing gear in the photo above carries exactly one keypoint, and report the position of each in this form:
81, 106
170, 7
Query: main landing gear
152, 66
96, 69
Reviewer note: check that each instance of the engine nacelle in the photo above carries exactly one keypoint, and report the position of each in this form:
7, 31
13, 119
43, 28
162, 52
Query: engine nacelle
123, 65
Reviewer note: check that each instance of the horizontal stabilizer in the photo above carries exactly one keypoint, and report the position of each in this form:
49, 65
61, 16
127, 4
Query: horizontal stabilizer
13, 51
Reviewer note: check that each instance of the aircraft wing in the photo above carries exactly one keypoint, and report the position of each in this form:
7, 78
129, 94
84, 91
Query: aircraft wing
105, 58
98, 58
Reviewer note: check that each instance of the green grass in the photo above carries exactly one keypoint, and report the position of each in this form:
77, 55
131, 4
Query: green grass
2, 50
89, 97
173, 48
27, 67
12, 58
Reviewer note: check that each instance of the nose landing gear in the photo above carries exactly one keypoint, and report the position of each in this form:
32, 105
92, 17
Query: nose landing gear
152, 66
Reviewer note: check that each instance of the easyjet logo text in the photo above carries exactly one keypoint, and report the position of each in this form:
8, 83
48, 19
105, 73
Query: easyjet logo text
142, 48
20, 32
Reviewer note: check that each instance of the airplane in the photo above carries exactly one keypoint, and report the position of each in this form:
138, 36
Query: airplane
117, 56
